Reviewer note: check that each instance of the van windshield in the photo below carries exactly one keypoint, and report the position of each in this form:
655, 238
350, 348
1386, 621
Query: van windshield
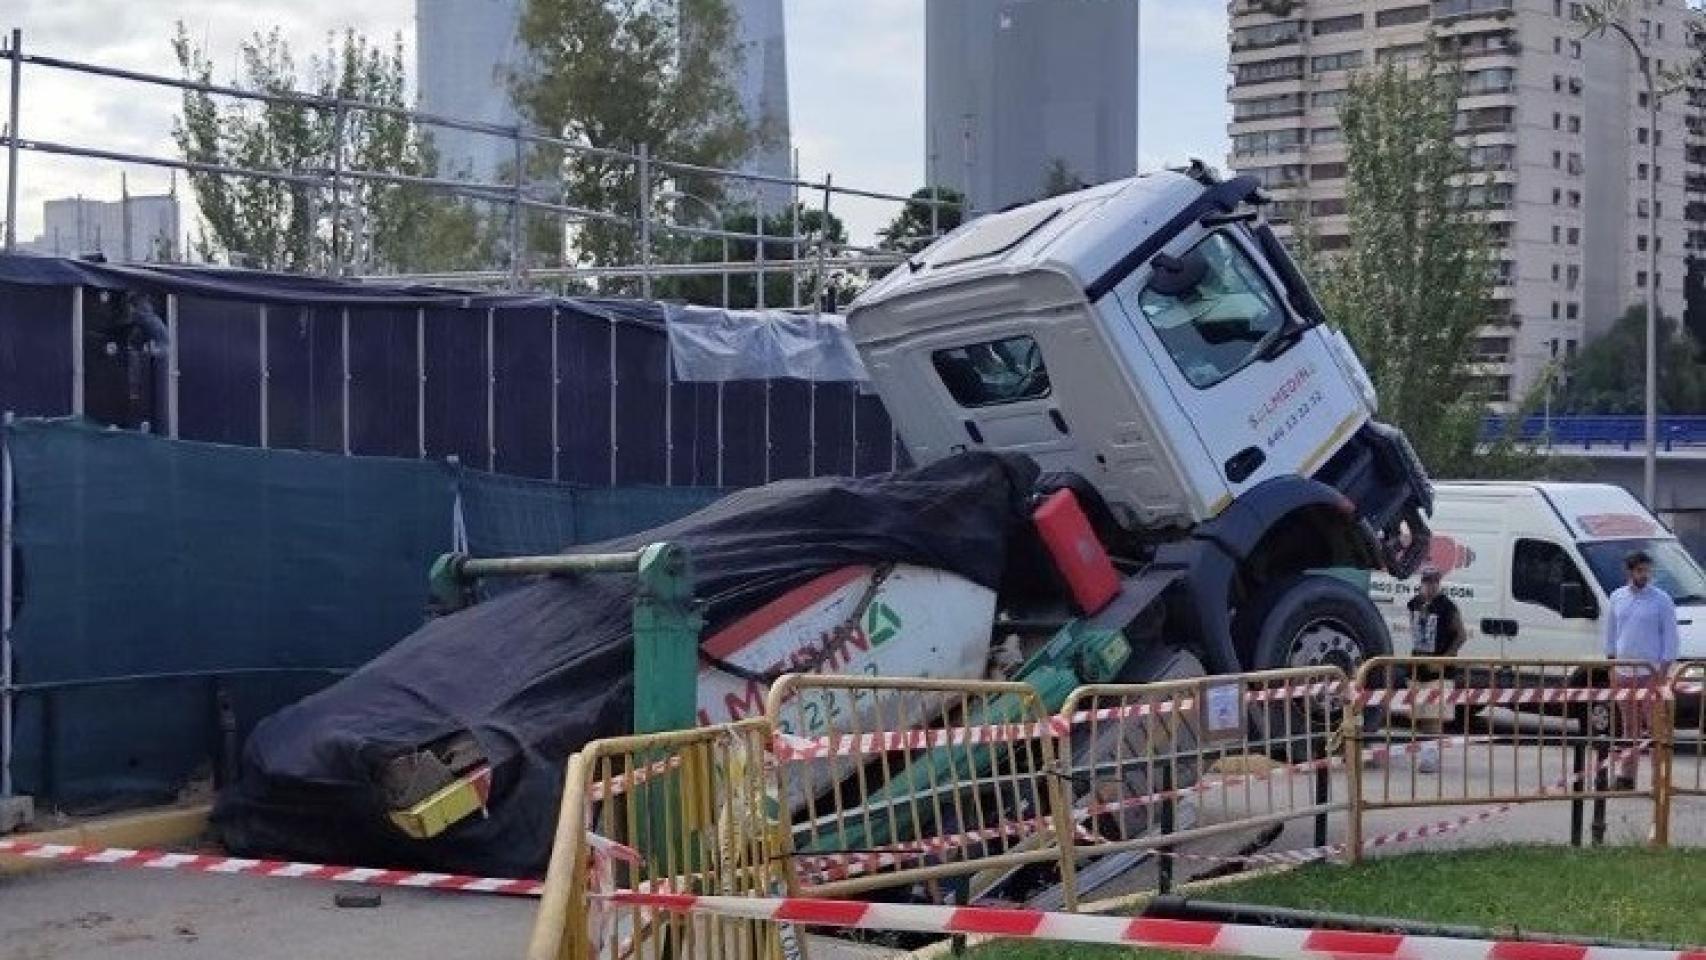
1674, 570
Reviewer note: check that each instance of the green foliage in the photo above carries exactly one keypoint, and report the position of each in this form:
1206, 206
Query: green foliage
778, 286
289, 226
910, 230
620, 74
1653, 895
1610, 374
1414, 287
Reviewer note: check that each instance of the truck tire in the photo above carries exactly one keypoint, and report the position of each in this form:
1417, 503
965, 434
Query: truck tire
1311, 620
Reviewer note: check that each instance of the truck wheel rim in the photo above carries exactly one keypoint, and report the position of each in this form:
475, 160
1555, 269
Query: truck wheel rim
1326, 642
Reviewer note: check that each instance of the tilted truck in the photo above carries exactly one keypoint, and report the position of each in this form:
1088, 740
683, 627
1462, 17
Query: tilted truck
1148, 342
1152, 337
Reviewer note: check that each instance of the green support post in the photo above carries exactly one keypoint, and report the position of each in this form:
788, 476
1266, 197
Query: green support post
666, 641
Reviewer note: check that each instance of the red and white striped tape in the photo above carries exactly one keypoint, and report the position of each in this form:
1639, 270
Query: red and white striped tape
793, 748
1269, 943
210, 863
1489, 697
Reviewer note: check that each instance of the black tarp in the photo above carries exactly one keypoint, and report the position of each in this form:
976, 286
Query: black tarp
539, 671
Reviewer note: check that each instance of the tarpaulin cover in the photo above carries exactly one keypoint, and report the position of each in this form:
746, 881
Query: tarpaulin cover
539, 671
715, 345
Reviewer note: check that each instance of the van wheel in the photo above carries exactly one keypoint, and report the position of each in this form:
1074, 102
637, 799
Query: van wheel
1312, 620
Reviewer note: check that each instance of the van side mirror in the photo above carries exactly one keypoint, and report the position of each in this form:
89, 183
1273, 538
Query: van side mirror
1574, 602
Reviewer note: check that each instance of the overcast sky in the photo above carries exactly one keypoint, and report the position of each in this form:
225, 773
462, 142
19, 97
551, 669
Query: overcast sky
855, 77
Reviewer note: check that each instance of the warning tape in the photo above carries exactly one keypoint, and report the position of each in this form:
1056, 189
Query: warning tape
1489, 697
206, 863
793, 748
1269, 943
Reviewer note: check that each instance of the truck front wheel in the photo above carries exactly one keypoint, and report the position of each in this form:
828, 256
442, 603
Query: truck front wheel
1313, 620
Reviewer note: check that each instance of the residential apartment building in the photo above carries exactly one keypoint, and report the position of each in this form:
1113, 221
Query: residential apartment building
1553, 124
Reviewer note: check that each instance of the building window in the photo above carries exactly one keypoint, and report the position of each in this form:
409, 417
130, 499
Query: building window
1557, 160
1641, 243
1267, 35
1575, 198
1640, 134
1557, 83
1658, 138
1326, 135
1555, 195
1401, 16
1575, 124
1572, 276
1496, 389
1284, 105
1572, 310
1266, 71
1326, 98
1492, 349
1557, 44
1641, 99
1333, 25
1327, 171
1402, 54
1575, 164
1641, 279
1569, 349
1573, 236
1286, 175
1640, 171
1328, 207
1557, 237
1555, 266
1326, 63
1641, 207
1267, 141
1557, 121
1575, 49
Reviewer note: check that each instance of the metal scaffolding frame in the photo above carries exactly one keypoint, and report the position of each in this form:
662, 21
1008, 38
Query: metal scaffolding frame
812, 256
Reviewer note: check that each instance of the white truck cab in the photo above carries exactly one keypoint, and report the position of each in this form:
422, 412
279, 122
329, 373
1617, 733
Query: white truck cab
1531, 566
1152, 337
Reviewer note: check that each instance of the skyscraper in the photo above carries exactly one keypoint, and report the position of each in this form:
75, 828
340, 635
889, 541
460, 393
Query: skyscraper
1554, 126
1015, 89
466, 49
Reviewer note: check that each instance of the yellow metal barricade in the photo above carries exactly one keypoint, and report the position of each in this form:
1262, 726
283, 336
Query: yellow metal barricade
689, 811
1153, 766
892, 782
1688, 736
1445, 732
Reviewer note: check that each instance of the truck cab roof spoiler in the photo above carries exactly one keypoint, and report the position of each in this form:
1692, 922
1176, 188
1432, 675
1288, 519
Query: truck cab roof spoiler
1216, 198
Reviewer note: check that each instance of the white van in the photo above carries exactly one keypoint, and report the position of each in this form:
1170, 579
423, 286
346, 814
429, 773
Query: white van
1531, 565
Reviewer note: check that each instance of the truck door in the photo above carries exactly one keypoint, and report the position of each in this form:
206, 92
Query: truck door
1264, 395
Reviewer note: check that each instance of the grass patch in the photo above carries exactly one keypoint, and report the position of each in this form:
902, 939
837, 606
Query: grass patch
1621, 894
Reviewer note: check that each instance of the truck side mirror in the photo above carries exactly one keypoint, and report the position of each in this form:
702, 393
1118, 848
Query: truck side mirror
1176, 276
1574, 602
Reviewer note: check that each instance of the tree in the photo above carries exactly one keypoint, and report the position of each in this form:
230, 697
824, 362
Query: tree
622, 74
1414, 286
1060, 179
778, 286
1609, 375
914, 226
274, 224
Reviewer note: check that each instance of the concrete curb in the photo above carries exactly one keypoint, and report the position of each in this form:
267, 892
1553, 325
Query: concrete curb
146, 829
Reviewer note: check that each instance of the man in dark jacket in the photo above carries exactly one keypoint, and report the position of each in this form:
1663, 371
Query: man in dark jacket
1436, 630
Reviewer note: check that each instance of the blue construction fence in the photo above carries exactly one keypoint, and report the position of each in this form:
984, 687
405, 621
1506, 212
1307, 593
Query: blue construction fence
579, 390
161, 588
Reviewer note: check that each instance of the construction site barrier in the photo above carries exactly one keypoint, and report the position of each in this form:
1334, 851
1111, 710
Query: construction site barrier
880, 799
945, 790
1688, 728
690, 811
1156, 765
1508, 732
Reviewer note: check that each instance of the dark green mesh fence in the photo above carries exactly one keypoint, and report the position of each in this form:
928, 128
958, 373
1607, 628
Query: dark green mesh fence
157, 577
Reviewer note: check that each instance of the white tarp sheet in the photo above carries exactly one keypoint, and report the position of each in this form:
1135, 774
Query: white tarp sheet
713, 345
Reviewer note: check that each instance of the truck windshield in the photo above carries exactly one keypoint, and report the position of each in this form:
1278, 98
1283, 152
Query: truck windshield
1220, 324
1674, 570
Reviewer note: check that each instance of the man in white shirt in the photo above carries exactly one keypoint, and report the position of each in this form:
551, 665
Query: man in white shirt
1640, 624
